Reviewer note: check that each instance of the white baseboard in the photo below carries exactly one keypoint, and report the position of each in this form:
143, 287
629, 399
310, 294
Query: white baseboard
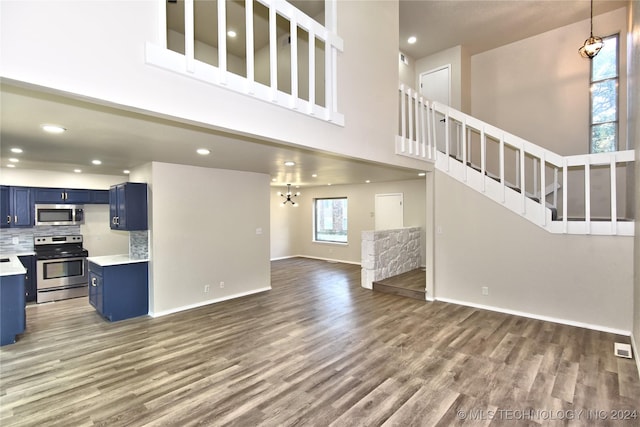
284, 257
319, 258
208, 302
636, 356
539, 317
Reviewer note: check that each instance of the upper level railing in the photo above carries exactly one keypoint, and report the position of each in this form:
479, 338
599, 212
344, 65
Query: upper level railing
581, 194
305, 40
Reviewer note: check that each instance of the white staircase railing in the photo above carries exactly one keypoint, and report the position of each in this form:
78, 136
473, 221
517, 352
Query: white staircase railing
299, 63
522, 176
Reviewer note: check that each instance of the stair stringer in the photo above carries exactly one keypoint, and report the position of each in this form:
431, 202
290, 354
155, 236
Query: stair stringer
521, 205
502, 194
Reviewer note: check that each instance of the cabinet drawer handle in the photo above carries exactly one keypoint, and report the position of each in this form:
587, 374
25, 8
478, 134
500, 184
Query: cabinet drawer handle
8, 219
15, 219
93, 281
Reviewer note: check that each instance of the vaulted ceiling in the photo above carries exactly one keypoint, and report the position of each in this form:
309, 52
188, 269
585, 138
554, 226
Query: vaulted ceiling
123, 140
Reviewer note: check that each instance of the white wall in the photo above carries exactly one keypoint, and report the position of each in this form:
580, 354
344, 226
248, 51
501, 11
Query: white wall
458, 58
634, 135
40, 46
204, 232
285, 222
586, 280
407, 72
538, 88
292, 228
98, 237
42, 178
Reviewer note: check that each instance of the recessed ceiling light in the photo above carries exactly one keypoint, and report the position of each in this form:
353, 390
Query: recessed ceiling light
422, 174
77, 170
273, 180
231, 33
367, 181
289, 163
203, 151
96, 162
126, 171
11, 166
412, 40
14, 160
329, 184
16, 150
315, 175
53, 128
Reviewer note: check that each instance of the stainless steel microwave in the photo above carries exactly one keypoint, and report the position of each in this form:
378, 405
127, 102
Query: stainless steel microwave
59, 214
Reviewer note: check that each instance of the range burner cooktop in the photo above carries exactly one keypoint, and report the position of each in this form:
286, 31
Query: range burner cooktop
52, 247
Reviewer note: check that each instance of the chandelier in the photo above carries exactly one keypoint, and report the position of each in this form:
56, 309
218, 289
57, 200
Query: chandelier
592, 45
288, 196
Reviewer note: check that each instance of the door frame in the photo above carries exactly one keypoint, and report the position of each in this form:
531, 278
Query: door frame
433, 70
375, 205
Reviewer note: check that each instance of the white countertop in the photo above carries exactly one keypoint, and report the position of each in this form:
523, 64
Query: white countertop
107, 260
11, 268
25, 254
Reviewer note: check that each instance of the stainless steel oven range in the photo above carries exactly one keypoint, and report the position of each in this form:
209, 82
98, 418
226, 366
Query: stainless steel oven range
61, 267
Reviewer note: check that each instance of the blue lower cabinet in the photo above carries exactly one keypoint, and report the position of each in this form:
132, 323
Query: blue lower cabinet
120, 291
12, 309
30, 286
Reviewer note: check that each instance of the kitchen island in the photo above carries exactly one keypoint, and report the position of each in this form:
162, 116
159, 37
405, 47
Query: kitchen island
12, 299
119, 286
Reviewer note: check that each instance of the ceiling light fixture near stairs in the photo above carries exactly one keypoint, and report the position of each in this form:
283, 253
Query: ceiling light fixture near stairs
288, 196
592, 45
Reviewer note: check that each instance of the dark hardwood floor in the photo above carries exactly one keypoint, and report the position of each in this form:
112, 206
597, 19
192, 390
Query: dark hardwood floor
316, 350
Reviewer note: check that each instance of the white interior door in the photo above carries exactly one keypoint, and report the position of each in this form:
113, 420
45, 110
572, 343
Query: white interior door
389, 211
435, 85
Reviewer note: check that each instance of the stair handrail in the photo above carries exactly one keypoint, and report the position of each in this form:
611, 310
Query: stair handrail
417, 139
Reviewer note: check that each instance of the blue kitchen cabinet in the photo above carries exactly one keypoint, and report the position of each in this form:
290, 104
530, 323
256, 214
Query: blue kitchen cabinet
128, 206
17, 207
120, 291
61, 196
12, 308
100, 197
30, 286
69, 196
4, 207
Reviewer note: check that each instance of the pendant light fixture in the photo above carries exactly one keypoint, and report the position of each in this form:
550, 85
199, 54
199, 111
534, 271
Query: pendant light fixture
288, 196
592, 45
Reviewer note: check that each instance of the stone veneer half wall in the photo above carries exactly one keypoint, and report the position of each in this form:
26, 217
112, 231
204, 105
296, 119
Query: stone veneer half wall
388, 253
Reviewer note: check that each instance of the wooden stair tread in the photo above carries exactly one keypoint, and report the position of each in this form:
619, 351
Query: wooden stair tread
411, 284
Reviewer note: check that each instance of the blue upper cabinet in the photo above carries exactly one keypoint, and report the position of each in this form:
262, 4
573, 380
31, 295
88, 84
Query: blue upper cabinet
62, 195
17, 207
5, 219
128, 206
100, 197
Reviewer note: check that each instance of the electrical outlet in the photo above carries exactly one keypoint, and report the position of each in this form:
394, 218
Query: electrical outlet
206, 289
485, 290
221, 285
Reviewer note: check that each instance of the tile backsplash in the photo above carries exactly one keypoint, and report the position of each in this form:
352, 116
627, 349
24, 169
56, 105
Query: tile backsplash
139, 244
24, 236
